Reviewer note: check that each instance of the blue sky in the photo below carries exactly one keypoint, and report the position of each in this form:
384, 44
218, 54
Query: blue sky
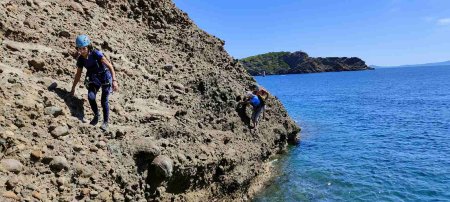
381, 32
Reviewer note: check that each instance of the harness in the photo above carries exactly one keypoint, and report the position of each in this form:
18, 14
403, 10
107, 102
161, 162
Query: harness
100, 75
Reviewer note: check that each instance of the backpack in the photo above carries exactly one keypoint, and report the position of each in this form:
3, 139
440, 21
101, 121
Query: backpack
261, 100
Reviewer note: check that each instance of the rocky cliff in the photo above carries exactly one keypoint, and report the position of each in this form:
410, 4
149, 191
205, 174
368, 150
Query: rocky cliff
176, 132
300, 63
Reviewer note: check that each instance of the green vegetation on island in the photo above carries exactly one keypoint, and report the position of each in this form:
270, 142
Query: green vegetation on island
298, 63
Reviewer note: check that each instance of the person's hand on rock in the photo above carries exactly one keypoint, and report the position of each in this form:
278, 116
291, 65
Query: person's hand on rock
115, 85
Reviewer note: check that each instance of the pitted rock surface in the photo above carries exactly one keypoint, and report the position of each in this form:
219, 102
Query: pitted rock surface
179, 91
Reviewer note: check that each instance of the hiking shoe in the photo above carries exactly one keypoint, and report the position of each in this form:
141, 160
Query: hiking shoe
104, 126
94, 121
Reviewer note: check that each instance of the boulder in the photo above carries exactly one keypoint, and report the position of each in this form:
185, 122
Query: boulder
146, 146
162, 166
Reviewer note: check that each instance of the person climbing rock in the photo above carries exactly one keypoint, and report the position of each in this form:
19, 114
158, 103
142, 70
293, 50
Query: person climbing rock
257, 105
262, 94
100, 75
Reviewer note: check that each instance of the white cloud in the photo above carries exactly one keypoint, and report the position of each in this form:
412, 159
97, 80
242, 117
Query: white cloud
443, 21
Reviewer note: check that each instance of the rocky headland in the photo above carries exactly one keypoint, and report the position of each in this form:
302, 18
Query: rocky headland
176, 133
299, 63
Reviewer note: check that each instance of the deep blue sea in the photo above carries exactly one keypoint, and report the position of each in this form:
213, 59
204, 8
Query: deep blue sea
381, 135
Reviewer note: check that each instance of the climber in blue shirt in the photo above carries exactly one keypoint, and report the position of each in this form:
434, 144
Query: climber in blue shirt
257, 105
100, 75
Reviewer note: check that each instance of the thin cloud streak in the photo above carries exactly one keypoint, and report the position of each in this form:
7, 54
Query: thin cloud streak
443, 21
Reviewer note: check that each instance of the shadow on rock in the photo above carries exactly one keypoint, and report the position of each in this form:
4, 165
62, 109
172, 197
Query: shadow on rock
75, 104
241, 110
142, 160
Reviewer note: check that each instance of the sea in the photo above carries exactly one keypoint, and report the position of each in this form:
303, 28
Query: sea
377, 135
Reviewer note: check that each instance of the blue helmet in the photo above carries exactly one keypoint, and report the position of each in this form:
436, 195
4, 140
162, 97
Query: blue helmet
82, 41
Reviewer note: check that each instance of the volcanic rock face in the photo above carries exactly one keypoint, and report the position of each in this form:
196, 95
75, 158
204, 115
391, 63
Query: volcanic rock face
300, 63
175, 132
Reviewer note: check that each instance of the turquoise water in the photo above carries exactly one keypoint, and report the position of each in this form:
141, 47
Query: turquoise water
381, 135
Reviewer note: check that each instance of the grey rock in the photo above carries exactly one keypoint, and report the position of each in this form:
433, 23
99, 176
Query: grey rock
163, 166
168, 67
30, 23
195, 87
146, 146
101, 144
12, 182
164, 98
182, 158
76, 7
60, 131
19, 122
93, 193
64, 34
117, 196
38, 65
12, 47
105, 196
31, 187
62, 181
12, 80
11, 165
178, 86
53, 110
93, 148
59, 163
160, 190
77, 147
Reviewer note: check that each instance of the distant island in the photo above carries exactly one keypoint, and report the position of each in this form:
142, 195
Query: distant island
299, 63
445, 63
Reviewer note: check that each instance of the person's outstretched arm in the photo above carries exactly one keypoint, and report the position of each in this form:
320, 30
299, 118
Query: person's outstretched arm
76, 80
